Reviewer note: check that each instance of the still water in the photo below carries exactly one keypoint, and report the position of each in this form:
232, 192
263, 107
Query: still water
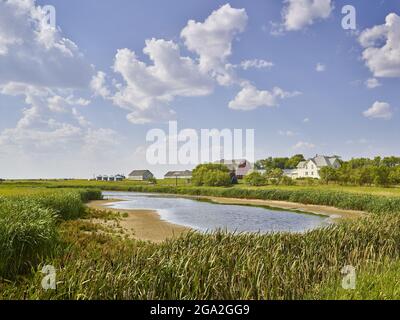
206, 216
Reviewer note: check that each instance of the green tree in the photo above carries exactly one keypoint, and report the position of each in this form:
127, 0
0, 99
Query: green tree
275, 175
294, 161
217, 179
328, 174
381, 176
211, 174
255, 179
394, 176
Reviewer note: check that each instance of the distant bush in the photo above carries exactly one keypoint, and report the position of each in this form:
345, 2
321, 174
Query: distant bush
286, 181
211, 174
255, 179
152, 180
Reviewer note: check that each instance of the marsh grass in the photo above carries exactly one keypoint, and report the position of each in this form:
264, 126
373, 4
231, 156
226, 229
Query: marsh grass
93, 262
27, 234
214, 266
375, 281
29, 225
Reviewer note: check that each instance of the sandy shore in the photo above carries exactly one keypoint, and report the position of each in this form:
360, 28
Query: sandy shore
143, 224
332, 212
147, 224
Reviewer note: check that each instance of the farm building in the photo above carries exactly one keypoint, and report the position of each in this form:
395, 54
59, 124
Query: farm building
187, 174
310, 168
240, 167
118, 177
140, 175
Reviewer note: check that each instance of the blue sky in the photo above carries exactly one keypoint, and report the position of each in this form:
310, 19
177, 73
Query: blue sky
71, 128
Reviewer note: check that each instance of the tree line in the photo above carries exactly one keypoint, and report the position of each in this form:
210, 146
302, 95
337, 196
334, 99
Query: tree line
363, 171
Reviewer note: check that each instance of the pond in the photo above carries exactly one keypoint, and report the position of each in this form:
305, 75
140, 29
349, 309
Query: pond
206, 216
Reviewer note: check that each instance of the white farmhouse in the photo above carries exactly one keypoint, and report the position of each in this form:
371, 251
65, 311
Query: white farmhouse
310, 168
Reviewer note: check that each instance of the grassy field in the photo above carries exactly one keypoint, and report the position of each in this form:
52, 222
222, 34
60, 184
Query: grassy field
46, 223
125, 185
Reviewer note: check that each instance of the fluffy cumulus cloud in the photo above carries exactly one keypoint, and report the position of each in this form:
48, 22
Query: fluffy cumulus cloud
32, 52
147, 90
44, 68
298, 14
250, 98
212, 39
382, 47
379, 110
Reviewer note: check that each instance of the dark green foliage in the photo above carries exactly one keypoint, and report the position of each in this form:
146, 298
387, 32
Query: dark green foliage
212, 175
255, 179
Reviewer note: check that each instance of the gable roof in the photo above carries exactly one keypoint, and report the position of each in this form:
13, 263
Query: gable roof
319, 161
324, 161
185, 173
301, 164
235, 164
136, 173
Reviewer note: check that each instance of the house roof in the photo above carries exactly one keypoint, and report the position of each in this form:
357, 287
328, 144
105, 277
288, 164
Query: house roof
136, 173
235, 164
319, 161
324, 161
301, 164
185, 173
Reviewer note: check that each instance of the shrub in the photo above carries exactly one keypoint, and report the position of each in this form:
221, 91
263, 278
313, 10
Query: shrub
211, 174
255, 179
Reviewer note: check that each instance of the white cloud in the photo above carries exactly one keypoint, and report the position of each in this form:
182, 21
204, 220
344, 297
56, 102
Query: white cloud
98, 85
301, 145
31, 52
379, 110
320, 67
306, 120
148, 89
298, 14
382, 47
372, 83
256, 63
59, 104
44, 68
212, 39
250, 98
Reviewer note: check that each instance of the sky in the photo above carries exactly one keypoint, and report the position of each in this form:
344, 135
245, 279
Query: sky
79, 99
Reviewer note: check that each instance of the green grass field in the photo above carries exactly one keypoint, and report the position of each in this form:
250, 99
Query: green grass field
125, 185
46, 223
